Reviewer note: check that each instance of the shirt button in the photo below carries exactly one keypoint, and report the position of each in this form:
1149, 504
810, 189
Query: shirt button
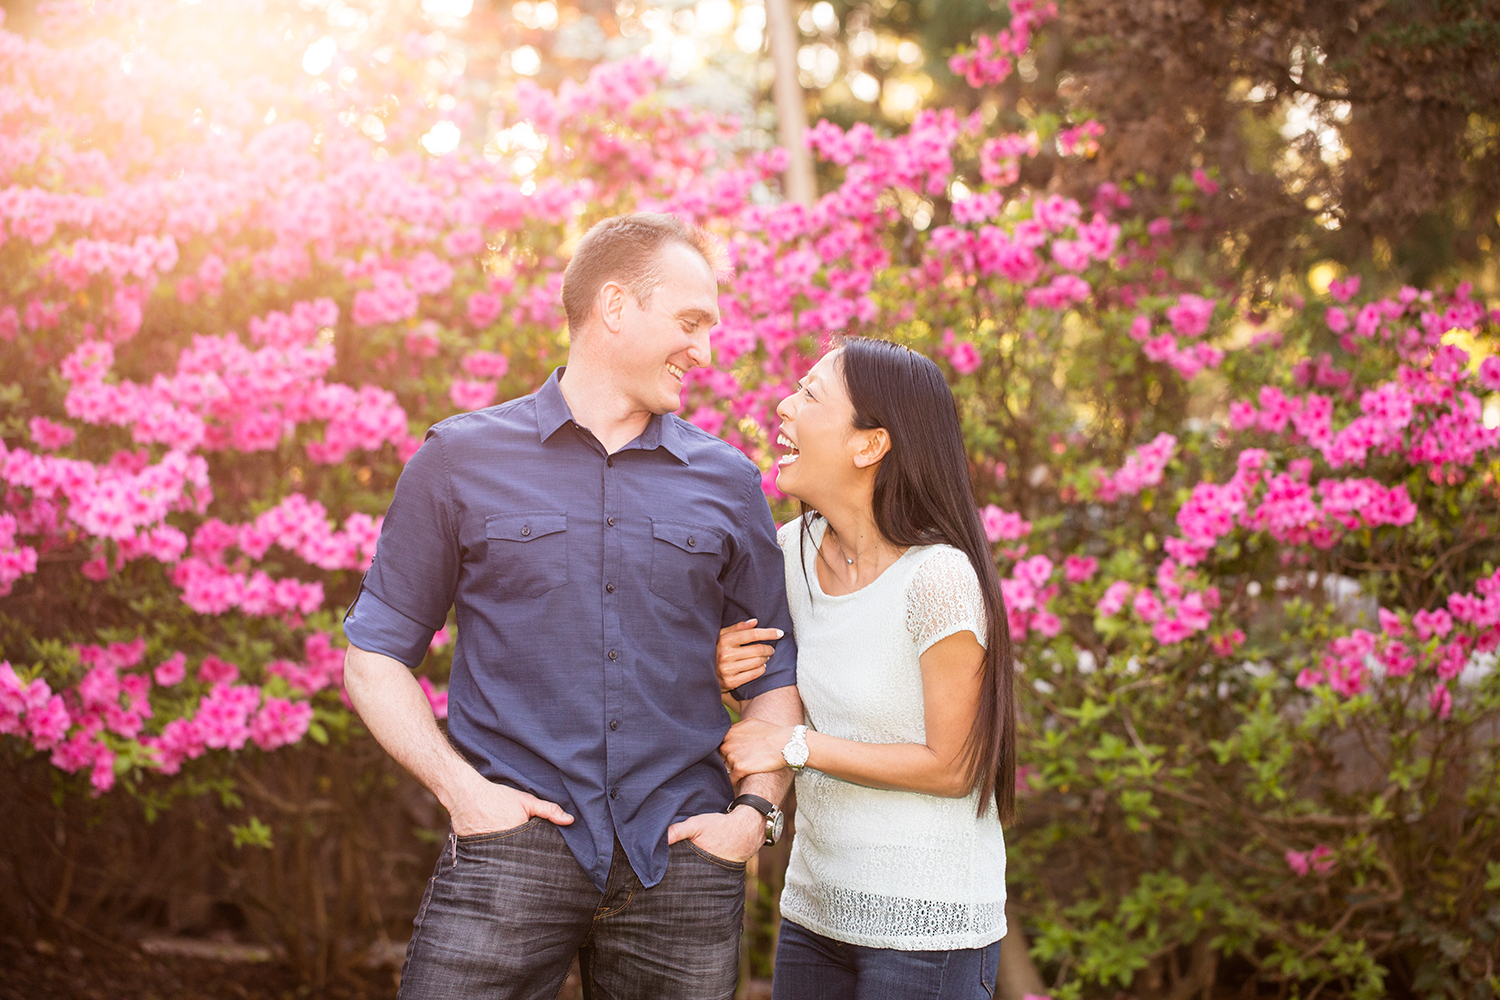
610, 522
525, 531
610, 461
614, 723
614, 654
692, 542
609, 588
614, 793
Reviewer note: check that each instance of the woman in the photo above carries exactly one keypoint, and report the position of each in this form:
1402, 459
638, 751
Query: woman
896, 885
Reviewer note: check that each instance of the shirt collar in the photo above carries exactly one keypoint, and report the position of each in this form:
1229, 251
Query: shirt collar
551, 409
662, 431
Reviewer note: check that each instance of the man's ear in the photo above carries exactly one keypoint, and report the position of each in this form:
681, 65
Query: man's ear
876, 444
611, 306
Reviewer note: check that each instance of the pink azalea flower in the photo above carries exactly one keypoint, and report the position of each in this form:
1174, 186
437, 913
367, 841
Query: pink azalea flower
50, 436
486, 364
280, 723
472, 395
1077, 569
437, 699
1115, 596
1441, 701
964, 357
1000, 525
172, 670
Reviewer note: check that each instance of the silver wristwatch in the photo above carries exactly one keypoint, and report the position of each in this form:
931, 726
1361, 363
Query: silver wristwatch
775, 818
795, 751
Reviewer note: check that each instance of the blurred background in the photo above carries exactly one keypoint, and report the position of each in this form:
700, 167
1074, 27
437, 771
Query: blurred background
1290, 147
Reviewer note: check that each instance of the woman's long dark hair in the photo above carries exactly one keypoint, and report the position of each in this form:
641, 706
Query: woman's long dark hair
923, 496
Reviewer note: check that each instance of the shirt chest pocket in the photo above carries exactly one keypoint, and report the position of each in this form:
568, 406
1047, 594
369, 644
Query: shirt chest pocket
528, 552
685, 564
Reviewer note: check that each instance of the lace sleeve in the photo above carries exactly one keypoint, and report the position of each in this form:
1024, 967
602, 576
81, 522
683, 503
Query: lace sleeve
943, 599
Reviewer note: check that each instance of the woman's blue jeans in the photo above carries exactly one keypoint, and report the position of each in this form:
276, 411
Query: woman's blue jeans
810, 966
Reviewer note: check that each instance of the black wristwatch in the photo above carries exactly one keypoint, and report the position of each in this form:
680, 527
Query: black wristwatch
775, 818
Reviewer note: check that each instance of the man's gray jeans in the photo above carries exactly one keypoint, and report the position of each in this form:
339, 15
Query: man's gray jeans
505, 913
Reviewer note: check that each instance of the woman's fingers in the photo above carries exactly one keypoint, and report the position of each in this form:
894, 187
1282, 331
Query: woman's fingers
742, 764
741, 654
739, 626
746, 654
735, 637
731, 679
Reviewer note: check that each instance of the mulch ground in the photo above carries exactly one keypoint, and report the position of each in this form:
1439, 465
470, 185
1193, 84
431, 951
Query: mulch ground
45, 970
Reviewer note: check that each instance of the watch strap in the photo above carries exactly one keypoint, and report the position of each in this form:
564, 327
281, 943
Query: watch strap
763, 806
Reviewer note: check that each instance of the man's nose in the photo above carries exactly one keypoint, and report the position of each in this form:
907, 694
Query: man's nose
701, 351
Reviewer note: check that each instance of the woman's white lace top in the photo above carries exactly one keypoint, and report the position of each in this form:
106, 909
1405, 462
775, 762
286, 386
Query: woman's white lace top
870, 866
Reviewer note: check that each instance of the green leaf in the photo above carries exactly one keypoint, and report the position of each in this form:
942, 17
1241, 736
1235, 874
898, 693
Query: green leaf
251, 834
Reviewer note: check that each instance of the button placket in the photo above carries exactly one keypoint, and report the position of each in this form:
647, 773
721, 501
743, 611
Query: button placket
611, 638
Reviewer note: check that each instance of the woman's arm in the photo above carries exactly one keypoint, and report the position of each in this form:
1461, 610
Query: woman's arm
951, 670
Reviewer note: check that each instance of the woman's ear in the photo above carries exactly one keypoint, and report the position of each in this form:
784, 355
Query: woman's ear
873, 446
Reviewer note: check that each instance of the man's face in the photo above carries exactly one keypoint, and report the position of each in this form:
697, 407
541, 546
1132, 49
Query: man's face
668, 335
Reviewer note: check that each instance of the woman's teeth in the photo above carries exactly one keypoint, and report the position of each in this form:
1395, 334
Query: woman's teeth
791, 456
677, 373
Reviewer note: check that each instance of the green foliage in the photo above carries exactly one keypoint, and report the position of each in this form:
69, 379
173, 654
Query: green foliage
253, 833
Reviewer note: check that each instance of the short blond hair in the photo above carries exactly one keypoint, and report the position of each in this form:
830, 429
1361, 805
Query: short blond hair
627, 249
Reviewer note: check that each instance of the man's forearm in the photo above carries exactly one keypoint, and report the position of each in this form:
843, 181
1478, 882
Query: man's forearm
780, 707
396, 711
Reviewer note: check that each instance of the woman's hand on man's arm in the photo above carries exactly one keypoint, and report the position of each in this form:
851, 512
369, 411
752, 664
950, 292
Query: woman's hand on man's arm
742, 653
951, 673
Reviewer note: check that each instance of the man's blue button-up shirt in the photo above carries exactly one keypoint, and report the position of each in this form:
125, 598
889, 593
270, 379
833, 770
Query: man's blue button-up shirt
589, 590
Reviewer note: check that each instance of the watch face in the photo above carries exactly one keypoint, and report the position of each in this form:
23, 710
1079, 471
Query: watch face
796, 754
775, 823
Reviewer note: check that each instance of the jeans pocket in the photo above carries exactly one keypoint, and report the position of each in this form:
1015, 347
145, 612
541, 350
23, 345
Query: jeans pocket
473, 839
737, 866
989, 968
476, 848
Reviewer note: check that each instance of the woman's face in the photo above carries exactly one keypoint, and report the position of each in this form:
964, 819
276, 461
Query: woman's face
817, 434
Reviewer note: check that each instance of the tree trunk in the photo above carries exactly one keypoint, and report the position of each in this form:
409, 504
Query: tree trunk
791, 108
1018, 976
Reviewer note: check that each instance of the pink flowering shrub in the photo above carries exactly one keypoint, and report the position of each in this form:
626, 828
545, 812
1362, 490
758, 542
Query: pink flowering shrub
1238, 537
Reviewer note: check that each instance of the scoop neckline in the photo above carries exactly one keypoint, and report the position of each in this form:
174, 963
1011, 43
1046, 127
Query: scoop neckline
821, 529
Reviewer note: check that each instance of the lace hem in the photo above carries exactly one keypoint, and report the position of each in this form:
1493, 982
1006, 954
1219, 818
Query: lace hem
875, 921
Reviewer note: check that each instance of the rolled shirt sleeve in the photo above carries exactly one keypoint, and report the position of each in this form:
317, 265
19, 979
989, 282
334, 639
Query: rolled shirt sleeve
755, 587
410, 585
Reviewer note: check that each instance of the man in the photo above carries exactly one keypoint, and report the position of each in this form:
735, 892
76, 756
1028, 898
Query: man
593, 545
